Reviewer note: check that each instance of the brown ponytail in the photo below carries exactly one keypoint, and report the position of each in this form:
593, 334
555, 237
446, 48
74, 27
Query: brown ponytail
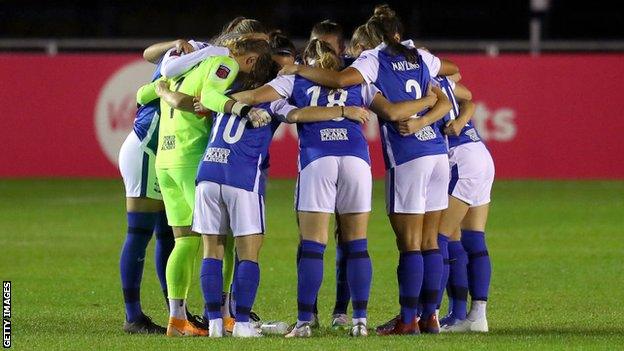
383, 27
322, 53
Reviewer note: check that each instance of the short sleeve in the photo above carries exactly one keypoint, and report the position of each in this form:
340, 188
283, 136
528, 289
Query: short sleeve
280, 109
368, 93
368, 65
433, 62
284, 85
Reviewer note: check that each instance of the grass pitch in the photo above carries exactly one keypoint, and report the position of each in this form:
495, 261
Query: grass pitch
557, 251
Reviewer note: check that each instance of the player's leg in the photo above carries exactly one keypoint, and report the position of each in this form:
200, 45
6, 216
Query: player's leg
436, 201
178, 190
353, 203
210, 219
315, 202
405, 204
164, 245
456, 280
473, 236
246, 213
142, 211
343, 296
479, 265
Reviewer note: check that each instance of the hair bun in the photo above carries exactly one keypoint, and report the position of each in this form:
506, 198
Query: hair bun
384, 11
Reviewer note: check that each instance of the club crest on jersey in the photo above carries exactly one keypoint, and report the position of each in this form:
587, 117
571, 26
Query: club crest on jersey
223, 72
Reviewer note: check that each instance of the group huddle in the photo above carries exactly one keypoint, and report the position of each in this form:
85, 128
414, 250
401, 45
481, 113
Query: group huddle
195, 168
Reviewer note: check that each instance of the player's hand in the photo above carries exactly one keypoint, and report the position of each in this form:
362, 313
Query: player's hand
453, 128
358, 114
258, 117
183, 46
199, 108
162, 87
410, 126
288, 69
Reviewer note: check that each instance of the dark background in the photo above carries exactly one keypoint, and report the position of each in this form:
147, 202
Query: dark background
432, 19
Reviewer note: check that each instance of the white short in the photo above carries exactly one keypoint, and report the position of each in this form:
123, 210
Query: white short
341, 184
138, 170
221, 209
472, 173
418, 186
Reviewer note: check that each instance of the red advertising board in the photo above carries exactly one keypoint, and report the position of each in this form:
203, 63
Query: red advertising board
549, 116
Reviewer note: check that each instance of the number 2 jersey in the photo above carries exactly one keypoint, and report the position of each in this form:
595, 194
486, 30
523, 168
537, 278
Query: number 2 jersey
237, 154
338, 137
468, 133
400, 80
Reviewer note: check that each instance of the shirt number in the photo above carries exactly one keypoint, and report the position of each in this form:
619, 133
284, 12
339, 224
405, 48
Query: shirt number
336, 97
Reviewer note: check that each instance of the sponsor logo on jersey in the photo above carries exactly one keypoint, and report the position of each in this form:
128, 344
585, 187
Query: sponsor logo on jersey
222, 72
334, 134
217, 154
169, 142
404, 66
116, 106
472, 134
425, 134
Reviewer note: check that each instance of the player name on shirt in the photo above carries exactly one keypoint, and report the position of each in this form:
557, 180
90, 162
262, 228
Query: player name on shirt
334, 134
404, 66
217, 154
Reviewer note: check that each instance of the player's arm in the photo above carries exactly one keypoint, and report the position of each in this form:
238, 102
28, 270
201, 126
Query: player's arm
439, 109
288, 113
175, 99
174, 64
467, 109
399, 111
318, 114
448, 68
329, 78
154, 52
265, 93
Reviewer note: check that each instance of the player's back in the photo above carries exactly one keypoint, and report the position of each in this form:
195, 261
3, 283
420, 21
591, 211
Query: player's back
338, 137
237, 154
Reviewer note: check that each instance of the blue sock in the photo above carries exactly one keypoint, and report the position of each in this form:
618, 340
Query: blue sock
309, 277
211, 277
247, 280
443, 246
343, 294
164, 244
433, 267
410, 277
479, 266
299, 259
359, 275
140, 228
458, 279
234, 287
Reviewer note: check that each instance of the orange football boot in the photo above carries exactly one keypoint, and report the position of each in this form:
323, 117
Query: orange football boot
182, 327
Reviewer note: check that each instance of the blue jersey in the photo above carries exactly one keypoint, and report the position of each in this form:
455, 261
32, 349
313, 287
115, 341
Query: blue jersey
338, 137
237, 154
400, 80
468, 133
146, 119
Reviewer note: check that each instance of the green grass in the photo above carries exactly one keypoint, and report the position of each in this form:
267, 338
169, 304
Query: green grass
556, 247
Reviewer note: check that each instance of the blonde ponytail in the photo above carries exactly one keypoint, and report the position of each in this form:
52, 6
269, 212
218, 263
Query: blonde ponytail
321, 53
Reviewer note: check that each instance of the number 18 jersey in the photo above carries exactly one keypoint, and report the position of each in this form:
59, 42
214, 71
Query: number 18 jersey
338, 137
